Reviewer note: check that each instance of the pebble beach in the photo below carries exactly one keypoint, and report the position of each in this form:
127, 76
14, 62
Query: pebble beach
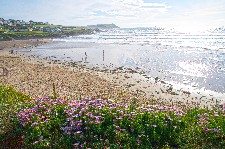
37, 80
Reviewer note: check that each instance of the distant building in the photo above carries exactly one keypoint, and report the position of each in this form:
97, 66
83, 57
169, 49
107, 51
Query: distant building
40, 23
1, 21
23, 22
31, 22
12, 29
30, 29
40, 29
5, 22
22, 26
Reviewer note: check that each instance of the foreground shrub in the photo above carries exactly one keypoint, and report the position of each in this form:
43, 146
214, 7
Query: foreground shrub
10, 102
204, 128
40, 121
99, 123
96, 123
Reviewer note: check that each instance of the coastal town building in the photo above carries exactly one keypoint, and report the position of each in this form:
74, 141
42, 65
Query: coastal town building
22, 26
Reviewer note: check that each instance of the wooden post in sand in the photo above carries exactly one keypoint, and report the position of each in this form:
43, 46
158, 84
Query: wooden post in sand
103, 55
85, 59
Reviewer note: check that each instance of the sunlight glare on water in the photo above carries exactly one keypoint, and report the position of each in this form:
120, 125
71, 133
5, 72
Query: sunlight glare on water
190, 58
194, 69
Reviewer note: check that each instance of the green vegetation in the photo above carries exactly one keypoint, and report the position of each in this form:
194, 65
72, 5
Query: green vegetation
96, 123
40, 34
11, 101
40, 31
27, 34
47, 26
19, 29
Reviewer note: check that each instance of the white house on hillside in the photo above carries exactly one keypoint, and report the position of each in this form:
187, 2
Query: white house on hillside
1, 21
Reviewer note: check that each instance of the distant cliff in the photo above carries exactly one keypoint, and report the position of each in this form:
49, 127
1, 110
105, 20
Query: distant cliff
102, 26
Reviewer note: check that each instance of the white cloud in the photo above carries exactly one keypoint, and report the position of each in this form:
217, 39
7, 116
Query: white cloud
125, 13
197, 16
97, 11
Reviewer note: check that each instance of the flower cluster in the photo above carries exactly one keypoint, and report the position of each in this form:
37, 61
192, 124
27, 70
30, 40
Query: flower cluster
98, 123
39, 110
95, 120
204, 122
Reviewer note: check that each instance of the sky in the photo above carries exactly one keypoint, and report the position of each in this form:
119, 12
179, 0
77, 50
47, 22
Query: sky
184, 14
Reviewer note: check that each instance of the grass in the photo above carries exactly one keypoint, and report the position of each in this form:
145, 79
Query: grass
11, 101
28, 34
25, 35
39, 34
47, 26
97, 123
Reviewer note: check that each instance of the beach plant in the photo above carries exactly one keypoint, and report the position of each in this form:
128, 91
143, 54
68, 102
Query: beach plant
11, 101
205, 128
97, 123
40, 121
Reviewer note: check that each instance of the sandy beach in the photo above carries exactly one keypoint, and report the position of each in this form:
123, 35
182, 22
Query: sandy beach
37, 80
13, 44
35, 77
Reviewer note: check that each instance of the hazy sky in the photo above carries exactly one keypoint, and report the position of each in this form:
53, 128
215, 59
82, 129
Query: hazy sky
124, 13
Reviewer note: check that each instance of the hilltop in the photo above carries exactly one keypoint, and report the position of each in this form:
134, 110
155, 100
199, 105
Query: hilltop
18, 29
103, 26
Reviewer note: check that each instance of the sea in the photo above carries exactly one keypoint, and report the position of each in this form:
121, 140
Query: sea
192, 59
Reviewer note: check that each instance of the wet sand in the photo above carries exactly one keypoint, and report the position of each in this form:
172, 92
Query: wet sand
163, 92
13, 44
35, 77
